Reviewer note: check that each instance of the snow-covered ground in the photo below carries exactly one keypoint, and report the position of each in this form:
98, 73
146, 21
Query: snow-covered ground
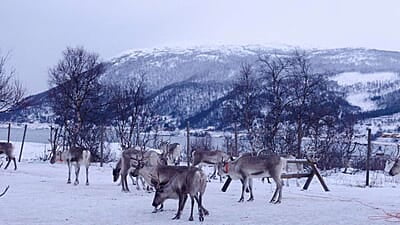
39, 194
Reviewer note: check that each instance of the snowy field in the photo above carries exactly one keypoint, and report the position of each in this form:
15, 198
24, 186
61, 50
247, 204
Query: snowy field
39, 194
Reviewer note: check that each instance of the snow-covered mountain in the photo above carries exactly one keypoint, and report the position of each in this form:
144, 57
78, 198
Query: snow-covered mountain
192, 82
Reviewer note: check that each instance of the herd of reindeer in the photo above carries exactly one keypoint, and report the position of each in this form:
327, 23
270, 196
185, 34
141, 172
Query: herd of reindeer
161, 170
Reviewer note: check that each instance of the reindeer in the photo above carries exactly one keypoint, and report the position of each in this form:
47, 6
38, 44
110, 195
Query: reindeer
247, 167
191, 182
116, 173
72, 155
8, 149
130, 157
211, 158
172, 152
158, 175
395, 168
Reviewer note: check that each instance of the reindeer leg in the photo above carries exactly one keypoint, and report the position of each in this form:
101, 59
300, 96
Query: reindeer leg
87, 174
15, 164
278, 191
200, 204
214, 174
133, 180
243, 187
124, 182
137, 183
191, 209
250, 181
77, 169
178, 213
69, 171
8, 162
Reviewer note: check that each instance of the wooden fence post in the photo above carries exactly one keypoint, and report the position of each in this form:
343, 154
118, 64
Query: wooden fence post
188, 155
9, 132
236, 141
101, 146
368, 157
22, 145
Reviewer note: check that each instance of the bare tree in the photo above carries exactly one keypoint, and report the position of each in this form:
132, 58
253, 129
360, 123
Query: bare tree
245, 107
304, 85
11, 90
132, 110
274, 70
76, 96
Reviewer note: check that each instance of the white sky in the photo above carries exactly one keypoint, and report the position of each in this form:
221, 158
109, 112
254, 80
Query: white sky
37, 31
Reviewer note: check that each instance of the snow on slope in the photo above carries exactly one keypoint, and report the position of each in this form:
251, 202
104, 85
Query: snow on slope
350, 78
356, 83
39, 194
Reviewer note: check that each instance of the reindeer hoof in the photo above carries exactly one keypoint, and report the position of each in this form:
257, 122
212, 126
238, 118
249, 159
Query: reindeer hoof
206, 212
201, 218
87, 183
241, 200
191, 218
68, 182
277, 202
177, 217
76, 182
250, 199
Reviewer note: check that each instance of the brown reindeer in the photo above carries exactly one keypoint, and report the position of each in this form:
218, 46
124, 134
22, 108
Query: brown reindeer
191, 182
158, 175
8, 149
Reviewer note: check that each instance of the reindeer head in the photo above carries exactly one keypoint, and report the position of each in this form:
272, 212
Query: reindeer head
396, 166
163, 192
116, 171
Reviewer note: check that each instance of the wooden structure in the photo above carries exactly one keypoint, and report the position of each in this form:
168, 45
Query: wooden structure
314, 172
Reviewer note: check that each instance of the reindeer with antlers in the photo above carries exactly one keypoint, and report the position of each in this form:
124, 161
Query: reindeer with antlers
72, 155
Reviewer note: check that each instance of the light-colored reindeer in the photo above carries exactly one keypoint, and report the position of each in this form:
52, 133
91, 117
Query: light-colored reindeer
129, 160
395, 168
247, 167
72, 155
210, 158
192, 181
172, 152
8, 149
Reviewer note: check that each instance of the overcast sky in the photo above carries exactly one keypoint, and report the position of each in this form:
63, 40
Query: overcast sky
37, 31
